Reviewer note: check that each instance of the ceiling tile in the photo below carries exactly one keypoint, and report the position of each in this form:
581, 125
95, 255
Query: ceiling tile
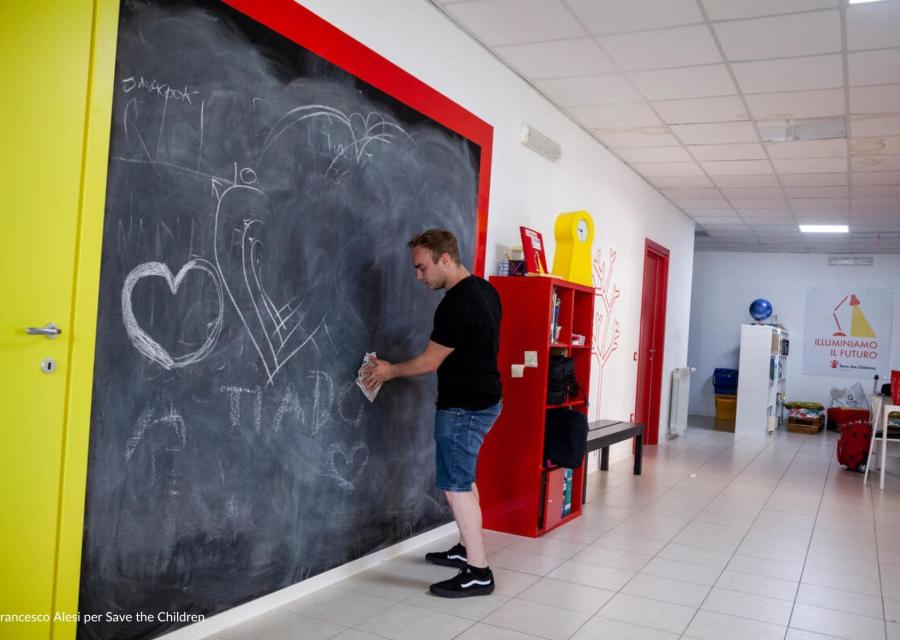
746, 181
889, 145
718, 109
763, 213
716, 132
892, 191
793, 74
879, 178
765, 222
875, 163
559, 58
763, 204
693, 194
680, 47
883, 204
814, 179
881, 99
796, 104
822, 217
788, 230
534, 20
636, 137
723, 230
689, 82
875, 124
875, 215
802, 34
833, 204
614, 16
708, 152
736, 167
874, 67
873, 26
588, 90
727, 212
698, 205
663, 182
810, 165
668, 169
808, 149
618, 116
655, 154
817, 192
750, 193
706, 220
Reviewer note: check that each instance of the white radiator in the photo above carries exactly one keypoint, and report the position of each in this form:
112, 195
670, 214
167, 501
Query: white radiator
678, 401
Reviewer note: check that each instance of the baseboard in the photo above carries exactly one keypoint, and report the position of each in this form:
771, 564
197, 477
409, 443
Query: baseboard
272, 601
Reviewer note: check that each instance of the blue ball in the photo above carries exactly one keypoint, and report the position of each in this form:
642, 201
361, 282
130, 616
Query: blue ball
760, 309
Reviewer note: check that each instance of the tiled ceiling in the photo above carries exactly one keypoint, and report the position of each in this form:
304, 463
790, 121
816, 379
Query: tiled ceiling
696, 95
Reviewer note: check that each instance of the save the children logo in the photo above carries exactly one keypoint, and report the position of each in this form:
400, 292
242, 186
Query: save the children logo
847, 332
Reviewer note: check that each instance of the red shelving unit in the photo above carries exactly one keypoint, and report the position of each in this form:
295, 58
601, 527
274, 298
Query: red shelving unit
512, 477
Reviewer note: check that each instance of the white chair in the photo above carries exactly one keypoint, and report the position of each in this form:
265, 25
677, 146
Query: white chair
879, 412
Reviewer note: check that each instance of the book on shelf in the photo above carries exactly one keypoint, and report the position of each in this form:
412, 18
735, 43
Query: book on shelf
554, 324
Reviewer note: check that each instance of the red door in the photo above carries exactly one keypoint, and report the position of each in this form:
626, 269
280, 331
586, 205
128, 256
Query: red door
652, 339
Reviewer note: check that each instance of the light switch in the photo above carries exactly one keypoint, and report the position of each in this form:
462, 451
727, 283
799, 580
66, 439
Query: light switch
531, 359
518, 371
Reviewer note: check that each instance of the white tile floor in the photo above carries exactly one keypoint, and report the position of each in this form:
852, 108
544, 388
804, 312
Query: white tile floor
721, 538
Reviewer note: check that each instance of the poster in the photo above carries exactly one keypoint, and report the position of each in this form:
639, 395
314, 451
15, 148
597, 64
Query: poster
848, 332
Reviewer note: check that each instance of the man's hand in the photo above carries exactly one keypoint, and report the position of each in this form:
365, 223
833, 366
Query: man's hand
378, 372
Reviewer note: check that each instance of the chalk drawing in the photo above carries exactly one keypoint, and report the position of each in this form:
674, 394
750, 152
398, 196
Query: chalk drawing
235, 405
354, 459
290, 404
147, 346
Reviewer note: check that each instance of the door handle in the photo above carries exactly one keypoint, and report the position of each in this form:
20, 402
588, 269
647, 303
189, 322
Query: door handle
49, 330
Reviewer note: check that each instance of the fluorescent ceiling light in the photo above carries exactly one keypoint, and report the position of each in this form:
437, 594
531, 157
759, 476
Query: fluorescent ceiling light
824, 228
862, 1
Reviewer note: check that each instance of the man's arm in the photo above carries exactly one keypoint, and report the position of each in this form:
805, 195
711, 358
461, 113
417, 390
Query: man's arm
426, 362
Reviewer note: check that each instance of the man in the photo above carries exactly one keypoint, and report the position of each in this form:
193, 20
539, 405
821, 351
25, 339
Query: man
463, 350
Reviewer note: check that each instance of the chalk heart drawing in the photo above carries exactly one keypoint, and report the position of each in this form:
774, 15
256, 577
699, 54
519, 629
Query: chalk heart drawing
346, 464
146, 345
276, 328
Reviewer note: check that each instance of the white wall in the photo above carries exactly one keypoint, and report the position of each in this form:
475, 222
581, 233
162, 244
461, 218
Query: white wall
726, 283
528, 190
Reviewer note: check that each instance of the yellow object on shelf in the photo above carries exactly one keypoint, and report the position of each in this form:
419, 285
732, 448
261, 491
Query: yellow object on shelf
726, 406
574, 233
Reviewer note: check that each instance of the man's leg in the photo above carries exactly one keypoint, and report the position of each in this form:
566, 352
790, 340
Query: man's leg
467, 512
462, 539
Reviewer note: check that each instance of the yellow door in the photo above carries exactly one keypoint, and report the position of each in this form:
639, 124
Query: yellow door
52, 166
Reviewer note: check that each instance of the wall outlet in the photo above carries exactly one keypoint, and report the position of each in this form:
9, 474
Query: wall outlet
634, 357
518, 371
531, 359
631, 417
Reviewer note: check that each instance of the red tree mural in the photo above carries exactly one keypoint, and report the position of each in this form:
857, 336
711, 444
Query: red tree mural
606, 328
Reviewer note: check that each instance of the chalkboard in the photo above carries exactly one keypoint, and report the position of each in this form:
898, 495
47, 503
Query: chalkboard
258, 204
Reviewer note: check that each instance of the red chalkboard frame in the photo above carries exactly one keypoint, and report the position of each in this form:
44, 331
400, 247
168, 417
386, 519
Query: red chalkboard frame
311, 32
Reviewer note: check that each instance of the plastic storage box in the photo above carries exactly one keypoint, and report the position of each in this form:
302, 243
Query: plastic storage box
725, 381
726, 406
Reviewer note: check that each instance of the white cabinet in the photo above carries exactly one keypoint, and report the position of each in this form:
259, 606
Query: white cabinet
761, 378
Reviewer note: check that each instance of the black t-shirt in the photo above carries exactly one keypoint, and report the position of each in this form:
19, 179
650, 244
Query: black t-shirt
468, 320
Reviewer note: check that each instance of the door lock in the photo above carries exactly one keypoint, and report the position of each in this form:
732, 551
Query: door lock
48, 365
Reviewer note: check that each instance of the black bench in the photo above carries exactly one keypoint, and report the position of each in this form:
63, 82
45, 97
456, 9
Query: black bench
602, 434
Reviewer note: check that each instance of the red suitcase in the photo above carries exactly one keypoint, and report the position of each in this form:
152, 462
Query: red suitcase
853, 445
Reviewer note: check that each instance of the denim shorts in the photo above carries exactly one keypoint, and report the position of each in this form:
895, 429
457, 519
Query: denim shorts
458, 434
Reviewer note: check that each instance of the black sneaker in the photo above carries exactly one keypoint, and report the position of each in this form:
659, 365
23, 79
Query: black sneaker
470, 581
454, 557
